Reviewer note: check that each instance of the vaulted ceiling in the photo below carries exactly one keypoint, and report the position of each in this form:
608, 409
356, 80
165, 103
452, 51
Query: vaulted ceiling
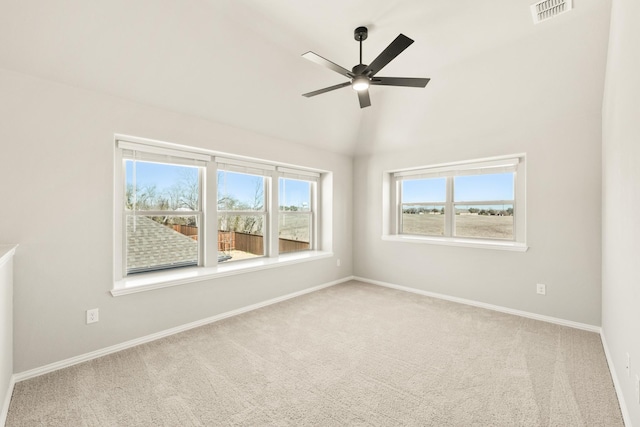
238, 62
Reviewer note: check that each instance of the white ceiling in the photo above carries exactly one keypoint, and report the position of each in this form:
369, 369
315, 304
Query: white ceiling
238, 62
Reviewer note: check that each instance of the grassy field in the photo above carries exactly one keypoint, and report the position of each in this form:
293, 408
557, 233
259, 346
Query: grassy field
294, 227
480, 226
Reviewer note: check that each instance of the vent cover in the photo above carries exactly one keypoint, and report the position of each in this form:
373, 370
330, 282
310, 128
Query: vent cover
547, 9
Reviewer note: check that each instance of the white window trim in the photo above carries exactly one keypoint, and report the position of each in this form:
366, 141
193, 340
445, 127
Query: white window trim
312, 178
208, 267
266, 212
181, 276
391, 202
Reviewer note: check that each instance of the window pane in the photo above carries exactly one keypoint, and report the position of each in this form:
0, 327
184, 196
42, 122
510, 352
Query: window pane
155, 243
423, 219
424, 190
478, 188
240, 192
484, 221
294, 195
294, 230
159, 186
240, 237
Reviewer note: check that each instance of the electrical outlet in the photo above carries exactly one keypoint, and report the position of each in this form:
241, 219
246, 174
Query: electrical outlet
627, 365
541, 289
637, 389
338, 262
92, 316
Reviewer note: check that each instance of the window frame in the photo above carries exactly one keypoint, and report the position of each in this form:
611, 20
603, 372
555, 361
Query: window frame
312, 179
208, 165
393, 204
134, 213
265, 212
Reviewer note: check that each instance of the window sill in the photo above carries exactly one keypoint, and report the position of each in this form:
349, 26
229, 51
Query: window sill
163, 279
468, 243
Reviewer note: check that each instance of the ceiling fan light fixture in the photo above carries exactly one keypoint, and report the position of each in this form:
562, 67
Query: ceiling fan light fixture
362, 75
360, 83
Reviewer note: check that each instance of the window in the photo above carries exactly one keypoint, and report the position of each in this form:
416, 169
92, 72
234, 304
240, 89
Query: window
483, 206
422, 206
295, 213
479, 202
242, 215
178, 207
161, 211
162, 201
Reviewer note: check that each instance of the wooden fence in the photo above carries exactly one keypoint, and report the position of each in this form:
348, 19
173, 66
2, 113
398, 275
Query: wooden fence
187, 230
254, 244
286, 245
235, 240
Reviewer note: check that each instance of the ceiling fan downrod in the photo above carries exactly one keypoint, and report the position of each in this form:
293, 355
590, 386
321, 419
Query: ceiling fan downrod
360, 34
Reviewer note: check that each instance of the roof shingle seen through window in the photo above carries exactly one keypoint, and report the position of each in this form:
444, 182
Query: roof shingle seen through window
151, 245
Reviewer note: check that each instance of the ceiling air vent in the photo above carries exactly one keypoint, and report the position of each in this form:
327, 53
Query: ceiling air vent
547, 9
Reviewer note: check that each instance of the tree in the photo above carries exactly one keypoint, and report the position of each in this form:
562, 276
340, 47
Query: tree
253, 224
250, 224
189, 190
142, 199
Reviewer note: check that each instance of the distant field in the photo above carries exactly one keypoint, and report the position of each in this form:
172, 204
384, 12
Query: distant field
495, 227
294, 227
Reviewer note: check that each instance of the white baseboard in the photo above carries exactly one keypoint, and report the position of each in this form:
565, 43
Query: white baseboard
501, 309
616, 383
7, 401
21, 376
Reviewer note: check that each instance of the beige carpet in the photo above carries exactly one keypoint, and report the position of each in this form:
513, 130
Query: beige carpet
352, 354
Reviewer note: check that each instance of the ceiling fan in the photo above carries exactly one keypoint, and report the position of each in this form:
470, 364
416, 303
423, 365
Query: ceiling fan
362, 75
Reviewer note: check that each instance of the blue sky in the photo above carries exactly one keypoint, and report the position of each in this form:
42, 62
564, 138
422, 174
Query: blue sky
471, 188
161, 175
242, 186
295, 193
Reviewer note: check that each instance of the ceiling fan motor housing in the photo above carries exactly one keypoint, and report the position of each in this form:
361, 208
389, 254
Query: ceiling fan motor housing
358, 69
360, 33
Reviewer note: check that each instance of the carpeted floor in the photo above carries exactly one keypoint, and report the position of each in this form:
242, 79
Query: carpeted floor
352, 354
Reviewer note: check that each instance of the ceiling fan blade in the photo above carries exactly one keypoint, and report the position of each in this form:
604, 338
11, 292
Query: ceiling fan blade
399, 81
326, 63
363, 97
394, 49
326, 89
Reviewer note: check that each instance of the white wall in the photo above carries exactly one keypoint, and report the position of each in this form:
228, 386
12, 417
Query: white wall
57, 154
521, 97
621, 199
6, 328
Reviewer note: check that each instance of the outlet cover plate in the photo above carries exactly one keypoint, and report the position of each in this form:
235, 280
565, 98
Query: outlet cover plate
92, 316
541, 289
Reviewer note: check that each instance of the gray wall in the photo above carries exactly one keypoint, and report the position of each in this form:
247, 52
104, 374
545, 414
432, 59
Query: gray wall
563, 225
57, 155
621, 199
526, 97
